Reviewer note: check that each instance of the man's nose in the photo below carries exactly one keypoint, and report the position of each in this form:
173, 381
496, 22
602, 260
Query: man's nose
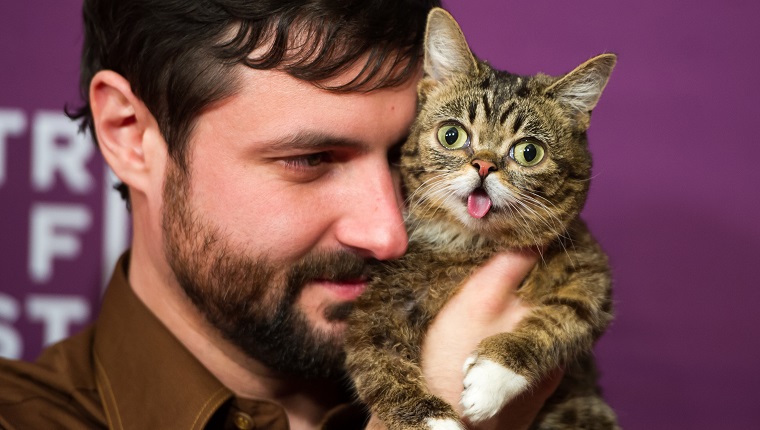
372, 223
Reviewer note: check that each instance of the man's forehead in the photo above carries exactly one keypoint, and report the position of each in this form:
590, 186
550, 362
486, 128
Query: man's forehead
276, 113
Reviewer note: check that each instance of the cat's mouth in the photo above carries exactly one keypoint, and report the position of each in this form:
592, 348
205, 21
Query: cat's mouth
478, 203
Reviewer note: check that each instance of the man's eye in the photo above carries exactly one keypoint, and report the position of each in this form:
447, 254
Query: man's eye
314, 159
308, 160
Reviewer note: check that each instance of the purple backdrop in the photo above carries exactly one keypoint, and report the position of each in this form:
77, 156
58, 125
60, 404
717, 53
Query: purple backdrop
673, 199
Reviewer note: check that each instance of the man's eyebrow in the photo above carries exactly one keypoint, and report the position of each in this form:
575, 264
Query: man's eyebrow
309, 141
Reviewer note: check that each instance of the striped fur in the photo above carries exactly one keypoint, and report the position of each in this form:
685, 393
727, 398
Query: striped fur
531, 207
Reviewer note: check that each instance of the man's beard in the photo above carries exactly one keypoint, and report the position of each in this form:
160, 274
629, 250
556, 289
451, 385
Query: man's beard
252, 301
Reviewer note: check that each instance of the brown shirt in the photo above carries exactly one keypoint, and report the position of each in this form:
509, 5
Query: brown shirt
126, 371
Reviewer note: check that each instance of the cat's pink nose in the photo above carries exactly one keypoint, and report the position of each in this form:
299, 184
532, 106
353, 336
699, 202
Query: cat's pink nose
484, 167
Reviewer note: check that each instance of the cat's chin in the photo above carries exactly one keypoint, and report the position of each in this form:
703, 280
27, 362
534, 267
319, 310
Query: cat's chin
490, 227
498, 228
455, 232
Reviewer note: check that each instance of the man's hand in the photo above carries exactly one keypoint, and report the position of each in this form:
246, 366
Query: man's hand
486, 305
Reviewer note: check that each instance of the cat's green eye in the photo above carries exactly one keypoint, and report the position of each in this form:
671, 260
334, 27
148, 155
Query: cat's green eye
453, 136
527, 153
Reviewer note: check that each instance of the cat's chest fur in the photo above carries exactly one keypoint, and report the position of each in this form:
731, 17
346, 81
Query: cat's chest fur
416, 286
425, 278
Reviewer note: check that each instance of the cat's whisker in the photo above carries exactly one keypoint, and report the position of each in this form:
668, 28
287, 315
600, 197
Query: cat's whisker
429, 189
430, 200
514, 210
528, 224
416, 204
430, 182
442, 194
543, 220
533, 198
562, 235
539, 197
561, 231
594, 176
566, 236
538, 200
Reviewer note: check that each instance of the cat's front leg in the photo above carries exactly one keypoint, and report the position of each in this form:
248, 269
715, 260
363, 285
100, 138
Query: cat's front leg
506, 365
394, 390
488, 386
383, 358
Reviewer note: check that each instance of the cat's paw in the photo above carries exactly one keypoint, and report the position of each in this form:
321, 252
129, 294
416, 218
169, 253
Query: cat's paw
444, 424
488, 386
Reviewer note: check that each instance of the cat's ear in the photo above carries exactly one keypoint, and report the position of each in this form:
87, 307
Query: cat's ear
446, 50
579, 90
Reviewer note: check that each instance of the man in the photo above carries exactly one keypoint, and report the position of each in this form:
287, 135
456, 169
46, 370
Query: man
252, 139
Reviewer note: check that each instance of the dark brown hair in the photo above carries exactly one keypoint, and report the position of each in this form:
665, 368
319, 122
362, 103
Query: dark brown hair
179, 55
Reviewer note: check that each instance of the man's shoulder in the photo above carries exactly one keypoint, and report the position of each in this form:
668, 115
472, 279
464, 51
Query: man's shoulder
59, 388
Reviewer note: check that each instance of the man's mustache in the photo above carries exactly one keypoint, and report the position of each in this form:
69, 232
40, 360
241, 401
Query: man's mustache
333, 266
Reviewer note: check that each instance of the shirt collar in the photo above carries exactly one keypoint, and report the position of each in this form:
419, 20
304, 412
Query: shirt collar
146, 377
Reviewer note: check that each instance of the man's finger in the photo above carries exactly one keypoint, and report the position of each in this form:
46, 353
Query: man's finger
491, 289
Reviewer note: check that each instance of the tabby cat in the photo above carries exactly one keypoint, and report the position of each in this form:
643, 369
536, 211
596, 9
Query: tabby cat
494, 161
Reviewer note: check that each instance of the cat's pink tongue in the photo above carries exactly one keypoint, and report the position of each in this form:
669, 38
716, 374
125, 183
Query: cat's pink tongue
478, 203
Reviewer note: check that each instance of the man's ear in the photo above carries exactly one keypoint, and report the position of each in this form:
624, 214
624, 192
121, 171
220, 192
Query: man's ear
124, 128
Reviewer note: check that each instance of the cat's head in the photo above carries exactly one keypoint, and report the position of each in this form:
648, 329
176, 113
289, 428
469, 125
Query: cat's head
497, 154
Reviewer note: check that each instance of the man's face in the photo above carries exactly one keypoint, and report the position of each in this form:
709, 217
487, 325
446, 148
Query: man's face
288, 193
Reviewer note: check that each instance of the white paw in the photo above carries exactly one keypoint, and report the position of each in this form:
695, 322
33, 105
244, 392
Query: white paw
444, 424
469, 362
488, 386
